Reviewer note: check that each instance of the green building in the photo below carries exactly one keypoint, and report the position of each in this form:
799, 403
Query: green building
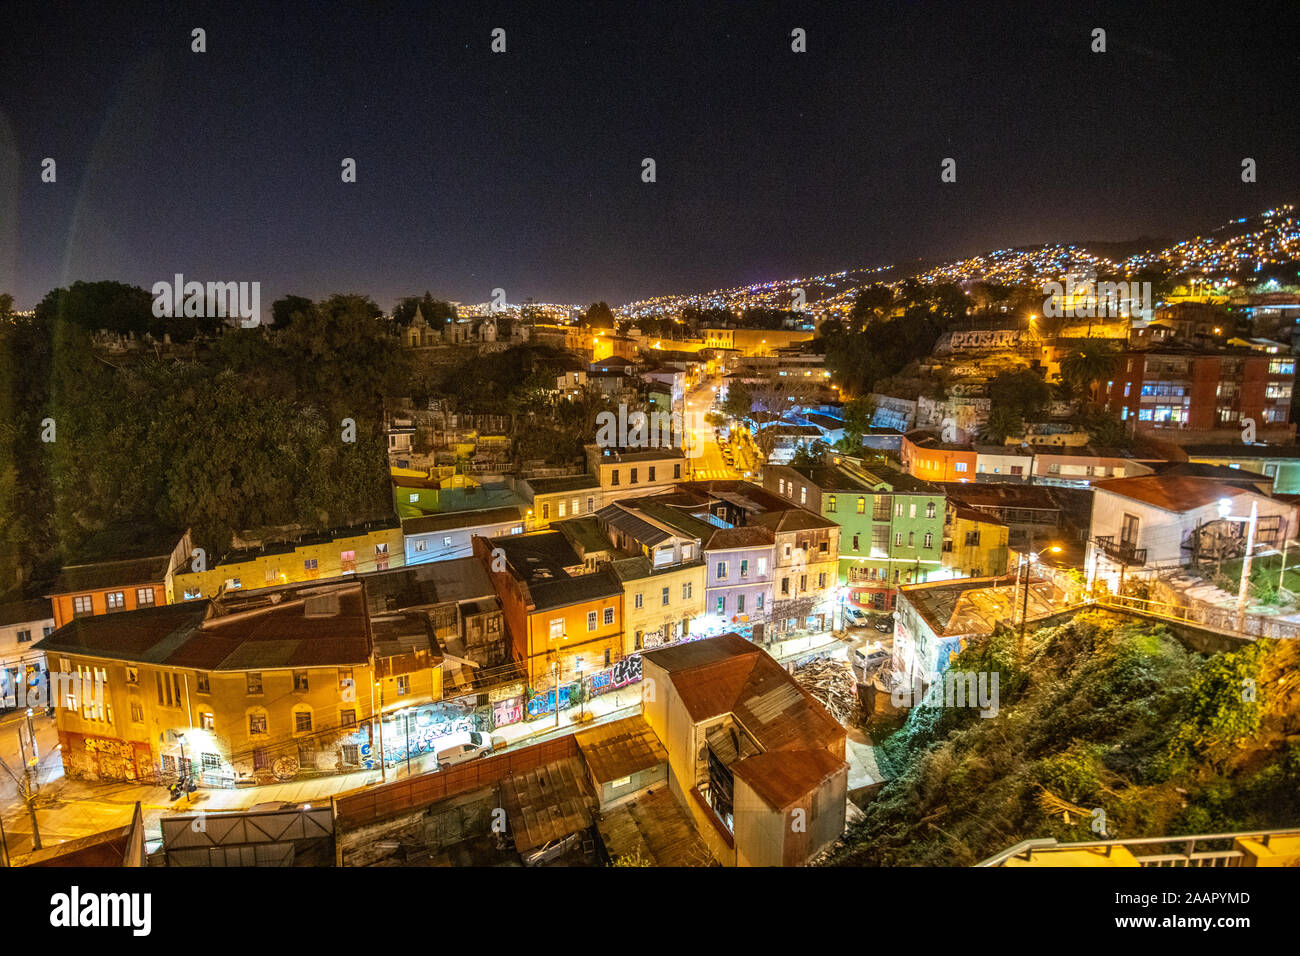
891, 523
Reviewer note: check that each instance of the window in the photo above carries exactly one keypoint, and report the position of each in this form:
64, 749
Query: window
740, 604
201, 682
309, 564
686, 591
116, 600
24, 637
137, 712
785, 585
862, 505
972, 539
762, 566
403, 684
959, 466
663, 599
758, 602
929, 510
591, 620
744, 568
639, 601
677, 472
722, 570
348, 561
898, 510
613, 477
591, 504
421, 544
803, 582
855, 542
256, 724
803, 494
830, 504
143, 597
911, 539
929, 539
898, 539
1129, 530
912, 510
300, 680
609, 613
722, 605
650, 473
821, 581
254, 680
133, 675
546, 511
348, 717
206, 720
573, 507
557, 628
632, 480
211, 762
559, 508
302, 721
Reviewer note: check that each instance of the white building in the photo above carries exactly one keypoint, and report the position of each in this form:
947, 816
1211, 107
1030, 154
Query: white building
22, 624
1151, 522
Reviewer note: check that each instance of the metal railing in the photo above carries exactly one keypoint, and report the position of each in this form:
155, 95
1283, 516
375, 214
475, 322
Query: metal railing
1205, 615
1194, 850
1122, 552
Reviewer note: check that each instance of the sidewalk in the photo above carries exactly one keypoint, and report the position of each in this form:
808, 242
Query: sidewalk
68, 809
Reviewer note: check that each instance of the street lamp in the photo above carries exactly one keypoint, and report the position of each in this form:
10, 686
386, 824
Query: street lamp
1027, 561
1225, 506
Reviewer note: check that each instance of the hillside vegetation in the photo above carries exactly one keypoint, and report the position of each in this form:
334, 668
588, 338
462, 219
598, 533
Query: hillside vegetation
1103, 713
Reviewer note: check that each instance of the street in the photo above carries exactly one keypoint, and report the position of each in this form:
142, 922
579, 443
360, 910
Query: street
704, 459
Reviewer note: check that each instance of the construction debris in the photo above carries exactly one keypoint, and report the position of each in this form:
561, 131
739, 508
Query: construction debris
832, 683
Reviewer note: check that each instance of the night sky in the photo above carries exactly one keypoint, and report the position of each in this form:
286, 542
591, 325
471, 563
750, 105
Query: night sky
522, 170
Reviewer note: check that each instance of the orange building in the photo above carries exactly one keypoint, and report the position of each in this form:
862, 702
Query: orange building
557, 616
926, 457
106, 587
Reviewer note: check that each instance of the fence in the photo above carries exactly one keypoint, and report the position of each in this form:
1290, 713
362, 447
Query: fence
362, 807
1199, 850
1204, 614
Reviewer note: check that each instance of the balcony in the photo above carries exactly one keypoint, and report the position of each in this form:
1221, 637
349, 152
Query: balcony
1122, 551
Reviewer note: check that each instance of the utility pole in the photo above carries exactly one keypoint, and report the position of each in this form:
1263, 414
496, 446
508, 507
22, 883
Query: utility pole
1245, 568
555, 672
1281, 575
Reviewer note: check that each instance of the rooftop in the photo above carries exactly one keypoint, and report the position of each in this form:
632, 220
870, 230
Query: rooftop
1173, 493
25, 612
306, 626
460, 519
620, 748
106, 574
424, 585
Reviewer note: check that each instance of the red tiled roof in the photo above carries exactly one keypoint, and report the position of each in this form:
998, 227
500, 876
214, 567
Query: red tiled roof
1176, 493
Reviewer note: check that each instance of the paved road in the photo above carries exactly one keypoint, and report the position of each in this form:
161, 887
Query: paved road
705, 458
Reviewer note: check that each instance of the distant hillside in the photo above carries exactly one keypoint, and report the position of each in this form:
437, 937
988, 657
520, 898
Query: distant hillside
1106, 714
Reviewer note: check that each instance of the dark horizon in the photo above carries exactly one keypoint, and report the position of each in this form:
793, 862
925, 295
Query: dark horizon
522, 170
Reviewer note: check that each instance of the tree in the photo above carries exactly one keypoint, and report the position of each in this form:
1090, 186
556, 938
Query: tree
739, 403
858, 415
435, 311
283, 310
1086, 365
1023, 392
1106, 429
1003, 423
598, 316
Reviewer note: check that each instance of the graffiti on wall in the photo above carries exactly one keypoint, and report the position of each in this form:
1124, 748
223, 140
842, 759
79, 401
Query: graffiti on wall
424, 729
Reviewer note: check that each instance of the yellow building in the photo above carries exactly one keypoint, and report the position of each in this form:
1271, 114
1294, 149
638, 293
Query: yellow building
974, 543
243, 689
374, 546
659, 603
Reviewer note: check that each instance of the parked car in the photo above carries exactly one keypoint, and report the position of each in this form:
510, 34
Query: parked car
552, 850
885, 626
474, 745
857, 616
